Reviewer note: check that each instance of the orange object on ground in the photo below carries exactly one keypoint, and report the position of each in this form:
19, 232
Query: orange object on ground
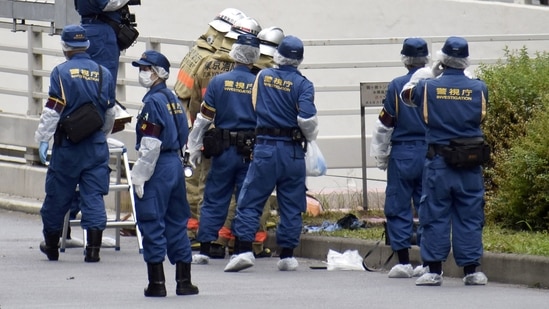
314, 207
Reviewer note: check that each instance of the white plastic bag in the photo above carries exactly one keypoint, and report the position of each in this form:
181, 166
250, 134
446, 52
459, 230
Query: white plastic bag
314, 160
348, 260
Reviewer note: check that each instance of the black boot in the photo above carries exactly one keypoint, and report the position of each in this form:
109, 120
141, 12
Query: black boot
183, 279
93, 245
157, 282
50, 246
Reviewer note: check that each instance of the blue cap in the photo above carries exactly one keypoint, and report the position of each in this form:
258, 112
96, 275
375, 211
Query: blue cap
153, 58
414, 47
248, 39
456, 47
291, 47
74, 36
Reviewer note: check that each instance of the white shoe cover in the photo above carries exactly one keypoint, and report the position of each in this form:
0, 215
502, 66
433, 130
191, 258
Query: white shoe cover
240, 262
287, 264
431, 279
401, 271
420, 270
478, 278
200, 259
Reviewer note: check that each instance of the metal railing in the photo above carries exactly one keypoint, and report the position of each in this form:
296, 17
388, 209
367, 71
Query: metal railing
337, 86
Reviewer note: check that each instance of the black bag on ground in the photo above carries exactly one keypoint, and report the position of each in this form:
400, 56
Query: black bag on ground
81, 123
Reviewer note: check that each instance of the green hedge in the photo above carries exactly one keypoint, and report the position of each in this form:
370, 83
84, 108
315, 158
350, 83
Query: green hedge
517, 127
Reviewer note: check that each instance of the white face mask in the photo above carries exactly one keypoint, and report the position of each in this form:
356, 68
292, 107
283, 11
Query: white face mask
145, 79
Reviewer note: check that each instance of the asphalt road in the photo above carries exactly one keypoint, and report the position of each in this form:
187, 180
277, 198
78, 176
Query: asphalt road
29, 280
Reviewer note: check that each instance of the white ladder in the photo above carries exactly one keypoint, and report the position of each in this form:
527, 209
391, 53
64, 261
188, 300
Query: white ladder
121, 156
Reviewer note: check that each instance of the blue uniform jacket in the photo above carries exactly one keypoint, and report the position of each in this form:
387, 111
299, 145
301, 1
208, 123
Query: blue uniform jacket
89, 8
408, 122
451, 111
76, 82
229, 96
159, 105
285, 84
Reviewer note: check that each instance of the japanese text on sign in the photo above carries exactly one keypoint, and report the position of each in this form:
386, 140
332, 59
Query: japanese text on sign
373, 93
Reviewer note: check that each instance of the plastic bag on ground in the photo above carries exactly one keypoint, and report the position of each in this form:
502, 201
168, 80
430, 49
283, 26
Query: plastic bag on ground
348, 260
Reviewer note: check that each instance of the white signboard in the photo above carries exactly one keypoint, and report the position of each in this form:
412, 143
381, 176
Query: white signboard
372, 93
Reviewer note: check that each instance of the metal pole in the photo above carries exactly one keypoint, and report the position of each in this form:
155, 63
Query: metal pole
364, 162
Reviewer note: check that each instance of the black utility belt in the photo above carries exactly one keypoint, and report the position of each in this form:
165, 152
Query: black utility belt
234, 138
462, 153
278, 132
216, 140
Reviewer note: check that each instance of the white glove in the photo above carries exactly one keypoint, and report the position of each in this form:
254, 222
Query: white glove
309, 127
423, 73
195, 158
381, 162
139, 190
437, 68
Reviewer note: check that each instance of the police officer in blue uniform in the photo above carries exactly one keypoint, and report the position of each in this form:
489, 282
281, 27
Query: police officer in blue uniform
284, 101
453, 106
161, 205
398, 145
228, 104
103, 46
74, 83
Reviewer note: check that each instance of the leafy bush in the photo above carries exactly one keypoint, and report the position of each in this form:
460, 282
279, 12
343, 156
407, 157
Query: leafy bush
514, 129
523, 183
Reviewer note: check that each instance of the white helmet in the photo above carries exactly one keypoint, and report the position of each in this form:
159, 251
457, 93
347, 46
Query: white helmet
269, 38
244, 25
225, 19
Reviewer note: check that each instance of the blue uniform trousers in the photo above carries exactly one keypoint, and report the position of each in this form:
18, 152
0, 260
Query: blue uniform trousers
84, 164
277, 164
452, 202
163, 212
403, 192
225, 178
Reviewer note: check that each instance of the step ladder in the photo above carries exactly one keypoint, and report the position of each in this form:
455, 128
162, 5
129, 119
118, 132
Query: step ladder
119, 152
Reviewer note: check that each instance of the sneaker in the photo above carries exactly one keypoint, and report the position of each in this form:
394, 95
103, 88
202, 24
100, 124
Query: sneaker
429, 279
401, 271
200, 259
263, 254
287, 264
420, 270
478, 278
240, 262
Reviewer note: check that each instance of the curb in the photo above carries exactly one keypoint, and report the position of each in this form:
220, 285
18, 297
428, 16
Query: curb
532, 271
529, 270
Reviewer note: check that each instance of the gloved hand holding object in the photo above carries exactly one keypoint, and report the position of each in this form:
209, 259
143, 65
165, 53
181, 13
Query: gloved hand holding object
195, 158
148, 153
43, 152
